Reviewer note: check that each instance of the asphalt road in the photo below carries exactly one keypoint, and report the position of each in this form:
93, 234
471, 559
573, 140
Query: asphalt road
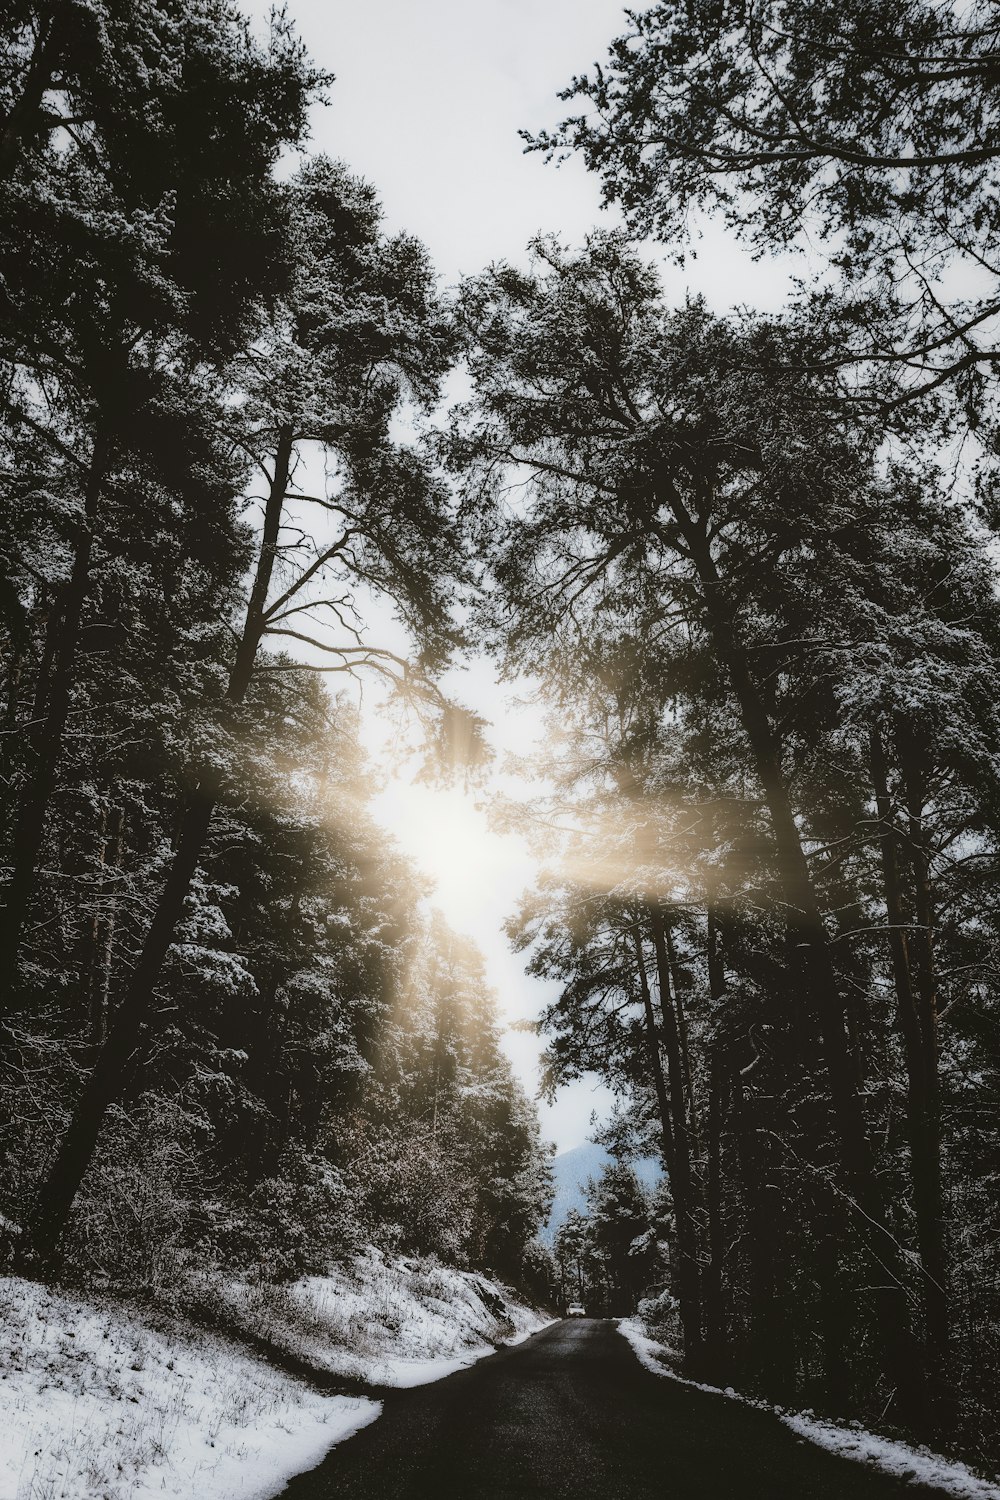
571, 1412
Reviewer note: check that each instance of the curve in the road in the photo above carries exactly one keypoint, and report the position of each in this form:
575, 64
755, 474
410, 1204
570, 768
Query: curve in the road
571, 1412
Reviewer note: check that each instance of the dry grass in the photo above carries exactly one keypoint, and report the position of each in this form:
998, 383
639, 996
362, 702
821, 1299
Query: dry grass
98, 1405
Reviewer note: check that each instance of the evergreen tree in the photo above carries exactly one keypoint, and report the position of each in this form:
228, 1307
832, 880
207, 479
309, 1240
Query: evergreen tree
702, 575
869, 132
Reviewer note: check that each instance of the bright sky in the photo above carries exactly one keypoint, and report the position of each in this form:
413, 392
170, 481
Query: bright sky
427, 104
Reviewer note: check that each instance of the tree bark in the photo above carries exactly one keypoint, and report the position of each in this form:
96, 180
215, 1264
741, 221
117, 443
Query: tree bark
687, 1255
806, 929
834, 1306
14, 671
716, 1344
682, 1033
103, 927
50, 617
655, 1061
47, 738
767, 1350
682, 1179
917, 1005
119, 1055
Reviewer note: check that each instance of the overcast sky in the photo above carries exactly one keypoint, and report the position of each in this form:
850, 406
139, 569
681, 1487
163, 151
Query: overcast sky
427, 103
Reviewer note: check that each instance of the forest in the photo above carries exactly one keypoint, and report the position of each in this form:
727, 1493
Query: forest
748, 563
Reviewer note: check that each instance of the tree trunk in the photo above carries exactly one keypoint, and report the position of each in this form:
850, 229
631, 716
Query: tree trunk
716, 1345
266, 1071
767, 1349
118, 1056
917, 1007
10, 717
49, 617
819, 981
655, 1062
103, 927
687, 1257
682, 1033
682, 1179
716, 1351
47, 738
834, 1306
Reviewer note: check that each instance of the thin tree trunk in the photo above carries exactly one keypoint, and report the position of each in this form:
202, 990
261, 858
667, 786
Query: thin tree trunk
119, 1053
672, 1046
103, 929
50, 617
716, 1351
687, 1257
14, 671
682, 1180
920, 1003
767, 1349
655, 1062
834, 1309
266, 1071
97, 1029
682, 1033
47, 738
716, 1347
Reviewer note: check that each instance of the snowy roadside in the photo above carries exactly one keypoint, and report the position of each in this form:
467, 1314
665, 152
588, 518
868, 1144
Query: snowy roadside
386, 1321
850, 1440
98, 1405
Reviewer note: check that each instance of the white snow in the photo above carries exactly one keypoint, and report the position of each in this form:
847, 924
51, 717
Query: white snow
916, 1465
97, 1405
390, 1321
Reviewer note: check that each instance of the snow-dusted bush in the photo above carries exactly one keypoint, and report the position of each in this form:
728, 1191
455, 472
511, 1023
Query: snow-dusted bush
138, 1214
419, 1193
288, 1224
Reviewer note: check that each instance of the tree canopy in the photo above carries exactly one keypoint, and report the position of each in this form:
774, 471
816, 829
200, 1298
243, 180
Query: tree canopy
870, 130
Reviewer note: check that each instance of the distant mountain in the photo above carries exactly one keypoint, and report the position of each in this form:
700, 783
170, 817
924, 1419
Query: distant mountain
572, 1170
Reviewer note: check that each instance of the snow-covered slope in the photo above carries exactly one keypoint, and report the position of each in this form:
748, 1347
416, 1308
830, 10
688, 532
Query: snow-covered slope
98, 1405
389, 1321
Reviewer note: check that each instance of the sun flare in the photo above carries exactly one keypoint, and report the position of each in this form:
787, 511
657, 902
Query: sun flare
474, 870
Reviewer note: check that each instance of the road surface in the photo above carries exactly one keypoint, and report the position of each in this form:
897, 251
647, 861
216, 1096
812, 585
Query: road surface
571, 1412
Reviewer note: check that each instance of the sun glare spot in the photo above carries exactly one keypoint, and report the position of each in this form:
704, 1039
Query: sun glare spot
476, 872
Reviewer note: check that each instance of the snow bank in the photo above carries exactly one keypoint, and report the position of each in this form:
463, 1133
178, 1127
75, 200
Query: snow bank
97, 1405
388, 1321
850, 1440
